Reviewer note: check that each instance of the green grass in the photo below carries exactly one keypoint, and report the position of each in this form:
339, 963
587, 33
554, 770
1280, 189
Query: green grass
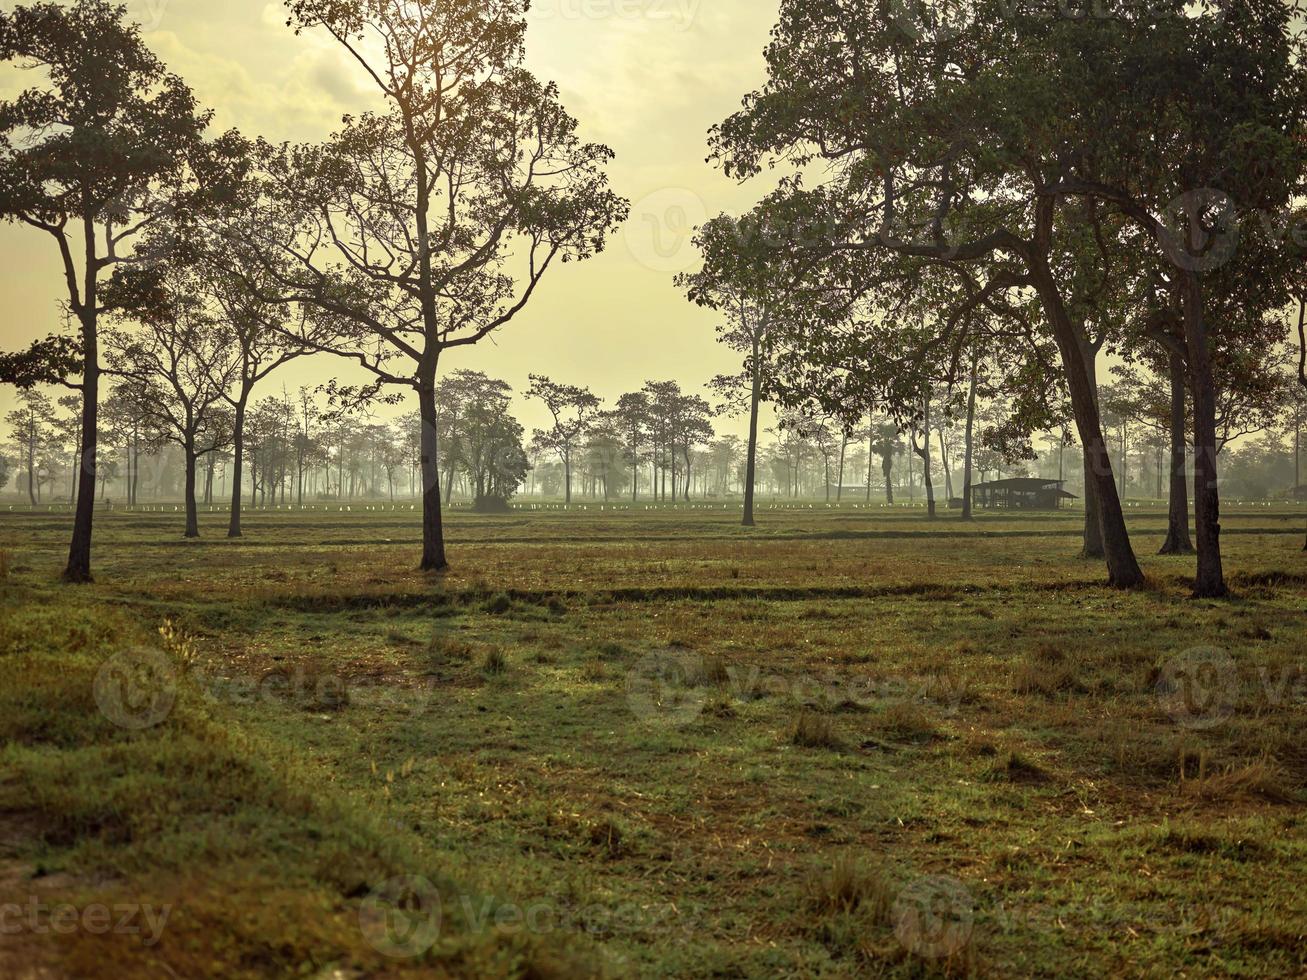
850, 742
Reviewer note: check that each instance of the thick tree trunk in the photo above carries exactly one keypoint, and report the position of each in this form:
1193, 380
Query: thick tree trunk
433, 532
1093, 534
78, 570
927, 481
1210, 581
192, 510
238, 461
969, 449
1177, 532
1093, 531
1122, 565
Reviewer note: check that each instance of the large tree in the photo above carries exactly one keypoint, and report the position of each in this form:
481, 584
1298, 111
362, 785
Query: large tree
935, 145
1196, 161
104, 145
428, 223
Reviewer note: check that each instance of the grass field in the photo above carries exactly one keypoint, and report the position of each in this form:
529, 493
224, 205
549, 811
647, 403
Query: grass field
649, 743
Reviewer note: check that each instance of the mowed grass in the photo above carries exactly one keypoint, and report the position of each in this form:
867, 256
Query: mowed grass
850, 742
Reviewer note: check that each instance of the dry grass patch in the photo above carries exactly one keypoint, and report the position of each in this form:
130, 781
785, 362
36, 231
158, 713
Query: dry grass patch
905, 721
851, 885
1047, 672
1263, 779
814, 731
493, 662
713, 671
1012, 767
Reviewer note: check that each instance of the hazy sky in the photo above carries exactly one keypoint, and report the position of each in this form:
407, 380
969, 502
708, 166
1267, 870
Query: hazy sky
647, 77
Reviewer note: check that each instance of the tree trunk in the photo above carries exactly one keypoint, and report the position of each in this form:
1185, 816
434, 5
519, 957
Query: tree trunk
751, 455
31, 464
1210, 581
433, 532
1122, 565
238, 460
927, 481
948, 477
1177, 533
1093, 536
192, 510
839, 489
449, 481
78, 570
1125, 457
871, 456
136, 468
635, 468
969, 449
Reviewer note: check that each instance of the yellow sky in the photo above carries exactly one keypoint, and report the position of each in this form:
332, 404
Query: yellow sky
647, 77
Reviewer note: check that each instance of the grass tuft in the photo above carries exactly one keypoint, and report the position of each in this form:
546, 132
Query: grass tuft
499, 604
1011, 767
851, 885
814, 731
714, 672
609, 836
906, 721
